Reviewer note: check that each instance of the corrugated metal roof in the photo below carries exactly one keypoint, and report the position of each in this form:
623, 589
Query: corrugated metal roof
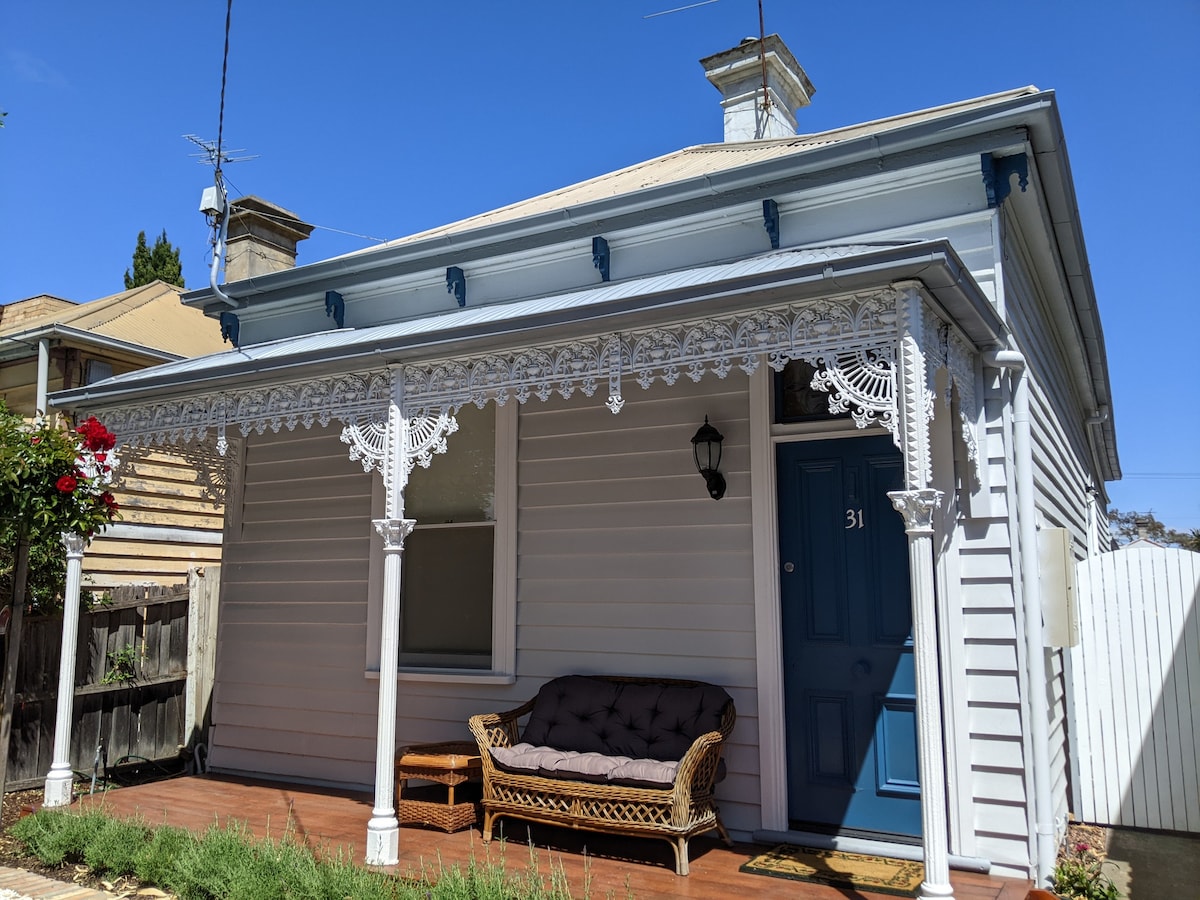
150, 316
476, 322
692, 162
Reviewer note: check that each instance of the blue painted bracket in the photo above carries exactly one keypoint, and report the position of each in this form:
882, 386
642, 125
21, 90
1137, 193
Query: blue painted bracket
771, 222
335, 307
456, 283
601, 257
229, 327
997, 174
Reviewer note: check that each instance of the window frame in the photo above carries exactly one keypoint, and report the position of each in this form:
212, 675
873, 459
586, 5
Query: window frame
504, 568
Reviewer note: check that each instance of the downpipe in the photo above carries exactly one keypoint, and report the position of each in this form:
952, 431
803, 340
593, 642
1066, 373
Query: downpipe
1035, 653
219, 243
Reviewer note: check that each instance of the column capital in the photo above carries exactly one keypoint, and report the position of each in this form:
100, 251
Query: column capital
394, 531
916, 508
73, 543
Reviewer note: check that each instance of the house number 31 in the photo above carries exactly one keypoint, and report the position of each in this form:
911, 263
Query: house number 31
854, 518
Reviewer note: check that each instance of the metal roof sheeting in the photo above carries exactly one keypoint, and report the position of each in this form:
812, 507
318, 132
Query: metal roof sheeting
830, 270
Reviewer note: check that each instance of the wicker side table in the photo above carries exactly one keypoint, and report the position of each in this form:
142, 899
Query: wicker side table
452, 763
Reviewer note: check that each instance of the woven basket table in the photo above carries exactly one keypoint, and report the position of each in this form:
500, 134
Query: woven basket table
451, 764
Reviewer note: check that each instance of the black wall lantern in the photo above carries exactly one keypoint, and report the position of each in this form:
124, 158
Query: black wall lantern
706, 450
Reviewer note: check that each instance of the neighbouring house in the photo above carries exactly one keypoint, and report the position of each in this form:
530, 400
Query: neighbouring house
894, 328
169, 523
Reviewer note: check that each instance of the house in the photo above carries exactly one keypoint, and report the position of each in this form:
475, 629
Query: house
894, 329
168, 522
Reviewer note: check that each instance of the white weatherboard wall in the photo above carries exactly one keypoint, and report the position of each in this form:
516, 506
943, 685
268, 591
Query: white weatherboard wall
290, 698
1136, 689
625, 566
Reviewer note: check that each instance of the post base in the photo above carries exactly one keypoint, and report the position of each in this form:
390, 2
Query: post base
59, 788
383, 842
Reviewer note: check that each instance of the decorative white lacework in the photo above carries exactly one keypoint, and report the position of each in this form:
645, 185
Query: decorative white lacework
945, 348
851, 340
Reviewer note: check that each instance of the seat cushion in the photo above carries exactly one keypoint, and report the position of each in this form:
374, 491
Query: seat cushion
571, 765
639, 720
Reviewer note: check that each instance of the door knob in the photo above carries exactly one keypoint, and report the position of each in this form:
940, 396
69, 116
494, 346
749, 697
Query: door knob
860, 669
789, 567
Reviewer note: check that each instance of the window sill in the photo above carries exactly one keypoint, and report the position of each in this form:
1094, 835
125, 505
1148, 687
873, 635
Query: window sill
448, 676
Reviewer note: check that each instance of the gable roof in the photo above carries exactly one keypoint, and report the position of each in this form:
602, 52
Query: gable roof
694, 162
148, 319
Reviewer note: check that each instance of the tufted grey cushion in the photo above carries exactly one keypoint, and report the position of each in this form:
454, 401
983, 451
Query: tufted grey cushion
640, 720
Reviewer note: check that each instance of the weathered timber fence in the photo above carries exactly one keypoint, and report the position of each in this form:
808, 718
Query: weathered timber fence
132, 686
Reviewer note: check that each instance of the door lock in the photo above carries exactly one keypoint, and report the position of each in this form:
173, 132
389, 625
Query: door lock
789, 567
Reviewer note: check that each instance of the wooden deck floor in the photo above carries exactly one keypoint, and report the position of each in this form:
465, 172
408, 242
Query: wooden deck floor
613, 866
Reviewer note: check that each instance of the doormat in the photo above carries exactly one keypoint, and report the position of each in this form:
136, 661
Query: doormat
838, 869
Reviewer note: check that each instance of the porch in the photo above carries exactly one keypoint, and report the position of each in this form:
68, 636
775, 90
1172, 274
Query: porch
332, 818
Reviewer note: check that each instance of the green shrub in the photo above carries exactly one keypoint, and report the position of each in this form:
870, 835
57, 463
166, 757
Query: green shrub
115, 846
227, 863
157, 858
55, 837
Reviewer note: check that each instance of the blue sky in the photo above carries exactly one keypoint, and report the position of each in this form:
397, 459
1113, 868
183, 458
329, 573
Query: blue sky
383, 118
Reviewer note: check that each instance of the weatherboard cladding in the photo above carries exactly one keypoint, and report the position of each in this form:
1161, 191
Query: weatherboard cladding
624, 565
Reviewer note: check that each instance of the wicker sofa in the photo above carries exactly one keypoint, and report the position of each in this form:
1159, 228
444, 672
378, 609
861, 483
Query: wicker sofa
632, 756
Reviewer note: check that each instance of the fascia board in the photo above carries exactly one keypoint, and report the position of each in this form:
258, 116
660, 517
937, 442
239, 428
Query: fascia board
1064, 227
934, 263
1001, 127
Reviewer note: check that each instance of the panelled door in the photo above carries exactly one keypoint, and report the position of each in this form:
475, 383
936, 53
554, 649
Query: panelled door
847, 638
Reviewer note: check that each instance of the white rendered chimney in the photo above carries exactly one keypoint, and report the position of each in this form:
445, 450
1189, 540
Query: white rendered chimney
738, 75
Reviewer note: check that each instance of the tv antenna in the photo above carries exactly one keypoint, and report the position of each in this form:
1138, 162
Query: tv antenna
212, 155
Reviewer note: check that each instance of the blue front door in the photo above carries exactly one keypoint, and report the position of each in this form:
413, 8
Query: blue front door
847, 625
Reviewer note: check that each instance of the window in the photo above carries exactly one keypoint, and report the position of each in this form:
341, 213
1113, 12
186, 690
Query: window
796, 400
457, 600
446, 601
96, 370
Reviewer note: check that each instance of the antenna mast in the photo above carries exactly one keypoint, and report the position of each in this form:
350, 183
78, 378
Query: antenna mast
762, 59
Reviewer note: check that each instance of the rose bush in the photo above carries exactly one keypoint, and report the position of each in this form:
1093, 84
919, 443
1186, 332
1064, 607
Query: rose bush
51, 480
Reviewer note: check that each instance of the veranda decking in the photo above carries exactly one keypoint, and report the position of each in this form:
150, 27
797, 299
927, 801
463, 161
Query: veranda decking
612, 866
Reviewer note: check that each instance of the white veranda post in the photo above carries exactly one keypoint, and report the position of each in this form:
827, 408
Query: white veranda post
917, 505
383, 830
61, 777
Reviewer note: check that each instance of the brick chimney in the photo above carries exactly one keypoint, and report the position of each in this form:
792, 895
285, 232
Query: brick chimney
261, 238
738, 75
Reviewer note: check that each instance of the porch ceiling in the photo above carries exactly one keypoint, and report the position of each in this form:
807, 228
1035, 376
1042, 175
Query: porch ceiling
783, 276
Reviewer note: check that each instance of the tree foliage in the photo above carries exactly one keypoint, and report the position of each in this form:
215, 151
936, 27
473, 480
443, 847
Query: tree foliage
160, 262
1127, 526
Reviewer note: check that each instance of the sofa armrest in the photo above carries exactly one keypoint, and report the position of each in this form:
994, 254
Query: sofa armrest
501, 729
697, 773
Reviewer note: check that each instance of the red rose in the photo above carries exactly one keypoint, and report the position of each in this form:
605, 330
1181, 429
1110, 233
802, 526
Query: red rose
109, 501
101, 457
66, 484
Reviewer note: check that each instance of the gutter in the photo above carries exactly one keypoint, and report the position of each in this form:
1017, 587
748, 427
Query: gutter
31, 338
934, 262
1031, 592
959, 134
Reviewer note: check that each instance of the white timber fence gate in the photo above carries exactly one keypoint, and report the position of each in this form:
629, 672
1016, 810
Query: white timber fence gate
1135, 690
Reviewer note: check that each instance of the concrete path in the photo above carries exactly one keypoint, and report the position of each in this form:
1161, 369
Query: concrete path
1146, 865
17, 884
